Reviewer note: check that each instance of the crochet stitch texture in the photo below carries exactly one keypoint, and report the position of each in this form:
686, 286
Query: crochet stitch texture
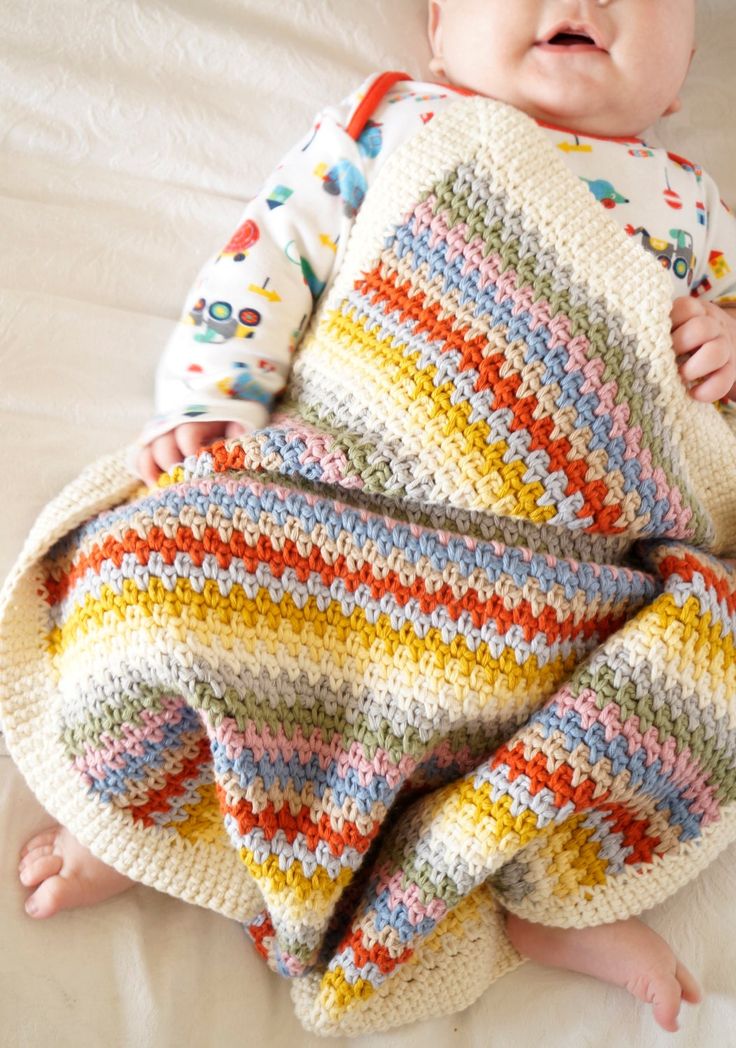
451, 632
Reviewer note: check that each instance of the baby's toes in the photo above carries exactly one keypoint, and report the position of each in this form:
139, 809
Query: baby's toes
45, 837
48, 898
665, 998
38, 865
691, 991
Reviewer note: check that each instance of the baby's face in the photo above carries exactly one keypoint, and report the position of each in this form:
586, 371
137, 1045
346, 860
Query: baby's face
608, 67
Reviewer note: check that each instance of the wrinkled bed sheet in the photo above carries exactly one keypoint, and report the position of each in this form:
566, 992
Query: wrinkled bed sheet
131, 134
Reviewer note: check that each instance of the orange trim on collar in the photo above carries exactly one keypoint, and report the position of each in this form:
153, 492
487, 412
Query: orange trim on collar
385, 81
370, 100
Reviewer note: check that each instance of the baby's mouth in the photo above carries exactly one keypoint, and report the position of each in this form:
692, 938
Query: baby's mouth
571, 38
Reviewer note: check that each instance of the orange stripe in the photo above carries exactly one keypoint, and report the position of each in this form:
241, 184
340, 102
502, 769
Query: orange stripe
686, 566
271, 821
504, 393
158, 799
559, 782
263, 552
375, 954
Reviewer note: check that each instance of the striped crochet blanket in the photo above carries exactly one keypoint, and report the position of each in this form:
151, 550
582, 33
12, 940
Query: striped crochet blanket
451, 634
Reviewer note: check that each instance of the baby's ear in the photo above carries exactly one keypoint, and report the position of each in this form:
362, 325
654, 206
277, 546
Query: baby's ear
674, 107
434, 27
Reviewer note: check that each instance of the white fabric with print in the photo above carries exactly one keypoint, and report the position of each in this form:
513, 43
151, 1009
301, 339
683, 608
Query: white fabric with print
230, 355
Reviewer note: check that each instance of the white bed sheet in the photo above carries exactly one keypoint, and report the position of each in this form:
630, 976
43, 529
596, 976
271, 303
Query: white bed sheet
130, 134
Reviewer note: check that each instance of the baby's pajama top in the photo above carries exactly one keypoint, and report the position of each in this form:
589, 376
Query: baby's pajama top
230, 355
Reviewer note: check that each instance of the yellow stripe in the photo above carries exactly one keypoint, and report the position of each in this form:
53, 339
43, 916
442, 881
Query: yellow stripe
204, 819
328, 638
687, 642
469, 463
570, 859
298, 891
472, 808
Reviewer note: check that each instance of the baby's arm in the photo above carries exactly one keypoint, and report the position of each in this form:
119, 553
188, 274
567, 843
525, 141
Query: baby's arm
704, 341
704, 327
230, 355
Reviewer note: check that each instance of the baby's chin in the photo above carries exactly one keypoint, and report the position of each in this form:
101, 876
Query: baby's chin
581, 110
605, 123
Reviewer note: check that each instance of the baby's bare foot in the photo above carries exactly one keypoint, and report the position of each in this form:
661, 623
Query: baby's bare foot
65, 874
626, 953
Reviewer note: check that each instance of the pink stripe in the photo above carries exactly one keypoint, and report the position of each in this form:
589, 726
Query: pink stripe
410, 896
97, 760
423, 214
306, 748
682, 770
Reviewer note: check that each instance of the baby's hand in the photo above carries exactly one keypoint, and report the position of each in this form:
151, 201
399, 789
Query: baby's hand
172, 447
704, 340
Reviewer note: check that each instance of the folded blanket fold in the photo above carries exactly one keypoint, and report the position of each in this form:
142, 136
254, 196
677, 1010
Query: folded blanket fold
450, 635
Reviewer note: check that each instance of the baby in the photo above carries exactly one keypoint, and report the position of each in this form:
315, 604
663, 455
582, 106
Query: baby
588, 74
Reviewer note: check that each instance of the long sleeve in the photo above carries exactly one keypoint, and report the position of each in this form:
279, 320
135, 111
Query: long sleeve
717, 267
229, 356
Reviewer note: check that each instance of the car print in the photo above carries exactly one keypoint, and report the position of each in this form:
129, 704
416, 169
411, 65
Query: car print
676, 254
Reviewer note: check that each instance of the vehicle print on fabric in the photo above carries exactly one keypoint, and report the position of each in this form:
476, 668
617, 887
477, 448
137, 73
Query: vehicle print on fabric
641, 152
220, 322
257, 380
242, 239
676, 254
344, 179
370, 140
604, 192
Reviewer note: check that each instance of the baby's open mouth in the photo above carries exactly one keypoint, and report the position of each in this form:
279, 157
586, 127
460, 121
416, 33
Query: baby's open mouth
565, 39
570, 38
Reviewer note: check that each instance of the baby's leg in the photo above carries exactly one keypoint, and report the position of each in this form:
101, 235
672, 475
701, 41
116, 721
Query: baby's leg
65, 874
626, 953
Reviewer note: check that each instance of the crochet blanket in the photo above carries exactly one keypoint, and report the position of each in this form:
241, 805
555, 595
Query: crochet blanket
450, 635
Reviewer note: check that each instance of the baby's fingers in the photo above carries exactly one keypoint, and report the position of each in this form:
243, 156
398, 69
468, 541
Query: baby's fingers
235, 429
146, 466
715, 386
157, 457
685, 308
192, 436
694, 333
709, 358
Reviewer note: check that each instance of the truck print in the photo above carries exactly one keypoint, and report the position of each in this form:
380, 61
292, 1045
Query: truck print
676, 254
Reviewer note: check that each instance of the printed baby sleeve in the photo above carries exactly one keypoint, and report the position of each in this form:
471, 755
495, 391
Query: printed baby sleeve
715, 276
230, 354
